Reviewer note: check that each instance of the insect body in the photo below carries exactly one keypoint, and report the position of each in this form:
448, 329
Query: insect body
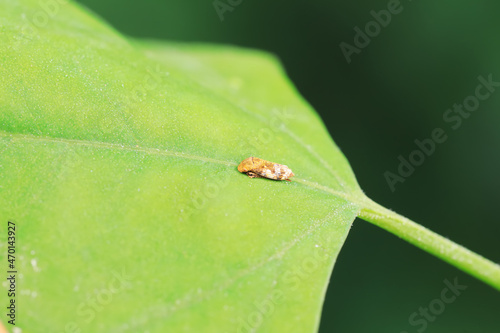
256, 167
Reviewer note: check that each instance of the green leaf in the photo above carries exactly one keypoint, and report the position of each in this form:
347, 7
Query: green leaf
118, 166
119, 163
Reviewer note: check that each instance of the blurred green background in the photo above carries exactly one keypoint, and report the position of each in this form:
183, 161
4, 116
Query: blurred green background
393, 92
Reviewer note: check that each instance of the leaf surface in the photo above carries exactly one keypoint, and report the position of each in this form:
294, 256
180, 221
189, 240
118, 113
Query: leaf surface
118, 166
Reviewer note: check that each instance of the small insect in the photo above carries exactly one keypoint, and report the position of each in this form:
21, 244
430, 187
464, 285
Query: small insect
256, 167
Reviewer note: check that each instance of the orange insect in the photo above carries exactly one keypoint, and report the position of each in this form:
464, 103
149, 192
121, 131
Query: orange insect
256, 167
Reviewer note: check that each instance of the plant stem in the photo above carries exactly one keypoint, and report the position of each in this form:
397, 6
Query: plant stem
457, 255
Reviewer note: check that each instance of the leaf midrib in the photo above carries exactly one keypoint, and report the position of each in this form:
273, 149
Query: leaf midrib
358, 199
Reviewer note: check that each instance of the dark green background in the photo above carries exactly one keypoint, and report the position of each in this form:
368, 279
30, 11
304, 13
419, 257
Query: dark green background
395, 91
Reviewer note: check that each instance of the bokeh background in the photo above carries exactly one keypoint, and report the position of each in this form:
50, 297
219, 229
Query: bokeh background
393, 92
